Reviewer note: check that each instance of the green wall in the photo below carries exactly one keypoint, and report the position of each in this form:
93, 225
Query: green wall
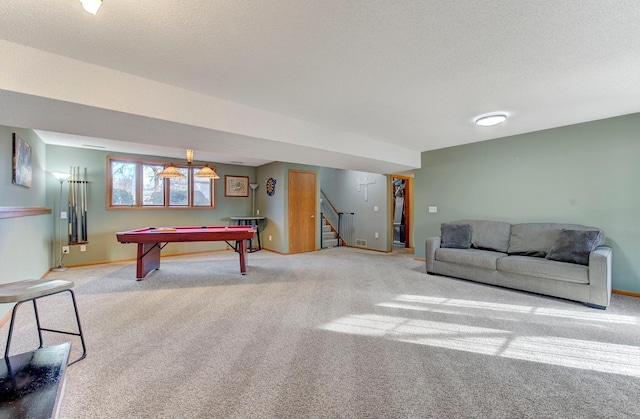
585, 174
273, 207
276, 207
103, 224
24, 241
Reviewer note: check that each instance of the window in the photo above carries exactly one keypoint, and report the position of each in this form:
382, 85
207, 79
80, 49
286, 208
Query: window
134, 184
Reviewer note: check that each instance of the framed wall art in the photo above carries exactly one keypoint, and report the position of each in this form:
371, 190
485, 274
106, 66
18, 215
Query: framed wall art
236, 186
21, 162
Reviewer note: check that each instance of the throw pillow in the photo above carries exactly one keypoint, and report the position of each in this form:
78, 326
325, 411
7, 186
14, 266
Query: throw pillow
455, 236
574, 246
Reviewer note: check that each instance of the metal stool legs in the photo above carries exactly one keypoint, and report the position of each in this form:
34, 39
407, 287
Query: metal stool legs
41, 329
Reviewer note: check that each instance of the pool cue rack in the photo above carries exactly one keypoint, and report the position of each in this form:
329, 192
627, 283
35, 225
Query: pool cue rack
77, 215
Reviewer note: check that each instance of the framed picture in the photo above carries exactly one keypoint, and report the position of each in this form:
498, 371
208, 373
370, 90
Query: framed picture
236, 186
21, 162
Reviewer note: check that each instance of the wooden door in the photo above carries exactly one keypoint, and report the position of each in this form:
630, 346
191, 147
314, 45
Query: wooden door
302, 211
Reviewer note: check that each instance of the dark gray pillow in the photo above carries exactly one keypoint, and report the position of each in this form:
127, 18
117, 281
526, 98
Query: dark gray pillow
574, 246
455, 236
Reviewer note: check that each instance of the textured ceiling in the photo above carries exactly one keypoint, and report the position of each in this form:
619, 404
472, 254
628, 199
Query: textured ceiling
406, 75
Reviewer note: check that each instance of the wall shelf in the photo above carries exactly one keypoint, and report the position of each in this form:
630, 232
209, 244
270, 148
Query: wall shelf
14, 212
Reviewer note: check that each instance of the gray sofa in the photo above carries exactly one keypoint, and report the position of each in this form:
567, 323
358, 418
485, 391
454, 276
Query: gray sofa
560, 260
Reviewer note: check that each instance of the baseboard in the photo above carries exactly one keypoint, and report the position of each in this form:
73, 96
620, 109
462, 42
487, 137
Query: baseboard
79, 265
5, 318
628, 293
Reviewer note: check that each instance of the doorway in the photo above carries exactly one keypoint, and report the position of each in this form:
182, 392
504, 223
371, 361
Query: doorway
401, 214
302, 211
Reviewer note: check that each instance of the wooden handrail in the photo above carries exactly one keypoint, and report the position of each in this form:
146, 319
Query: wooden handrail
14, 212
329, 201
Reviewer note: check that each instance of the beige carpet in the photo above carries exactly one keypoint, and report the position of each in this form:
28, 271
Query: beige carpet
339, 333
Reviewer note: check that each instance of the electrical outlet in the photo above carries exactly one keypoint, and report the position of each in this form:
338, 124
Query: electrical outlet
257, 212
65, 250
63, 215
83, 247
269, 237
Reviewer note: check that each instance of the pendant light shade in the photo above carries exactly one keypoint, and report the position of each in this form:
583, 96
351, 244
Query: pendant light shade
170, 172
207, 172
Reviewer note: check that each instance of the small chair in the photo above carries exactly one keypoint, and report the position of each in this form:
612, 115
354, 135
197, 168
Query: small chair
32, 290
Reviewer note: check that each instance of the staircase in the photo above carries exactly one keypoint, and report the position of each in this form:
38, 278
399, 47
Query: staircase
329, 235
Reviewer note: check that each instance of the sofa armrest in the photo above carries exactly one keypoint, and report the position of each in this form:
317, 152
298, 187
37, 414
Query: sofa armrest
433, 243
600, 261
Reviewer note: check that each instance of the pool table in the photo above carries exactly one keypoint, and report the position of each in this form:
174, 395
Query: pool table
151, 240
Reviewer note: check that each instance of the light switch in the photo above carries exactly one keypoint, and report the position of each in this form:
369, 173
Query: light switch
433, 210
375, 208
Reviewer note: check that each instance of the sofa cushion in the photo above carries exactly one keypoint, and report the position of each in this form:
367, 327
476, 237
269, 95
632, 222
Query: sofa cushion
544, 268
537, 239
574, 246
455, 236
488, 235
469, 257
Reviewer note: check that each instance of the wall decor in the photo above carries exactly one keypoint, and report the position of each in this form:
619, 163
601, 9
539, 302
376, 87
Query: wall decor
237, 186
21, 162
365, 182
271, 186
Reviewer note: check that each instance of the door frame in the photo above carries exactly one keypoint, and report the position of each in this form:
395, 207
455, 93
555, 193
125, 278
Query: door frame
408, 204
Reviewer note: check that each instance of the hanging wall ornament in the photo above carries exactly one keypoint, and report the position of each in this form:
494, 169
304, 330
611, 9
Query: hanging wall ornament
271, 186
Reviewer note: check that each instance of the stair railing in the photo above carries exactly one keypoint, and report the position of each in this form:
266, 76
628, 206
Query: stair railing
344, 221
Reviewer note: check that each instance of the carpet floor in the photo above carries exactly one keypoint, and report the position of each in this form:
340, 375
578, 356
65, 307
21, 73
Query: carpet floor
339, 333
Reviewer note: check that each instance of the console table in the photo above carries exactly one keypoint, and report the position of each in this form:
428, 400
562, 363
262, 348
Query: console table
250, 220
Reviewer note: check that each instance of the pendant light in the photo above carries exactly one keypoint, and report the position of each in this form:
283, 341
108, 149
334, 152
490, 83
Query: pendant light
171, 172
207, 172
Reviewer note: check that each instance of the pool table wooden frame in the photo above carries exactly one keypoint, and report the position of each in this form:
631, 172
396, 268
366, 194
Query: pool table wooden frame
151, 240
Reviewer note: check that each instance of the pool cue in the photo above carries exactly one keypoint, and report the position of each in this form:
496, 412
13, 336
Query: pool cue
69, 202
84, 206
74, 202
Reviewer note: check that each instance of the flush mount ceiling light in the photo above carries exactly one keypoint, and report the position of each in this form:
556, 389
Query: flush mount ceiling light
91, 6
489, 120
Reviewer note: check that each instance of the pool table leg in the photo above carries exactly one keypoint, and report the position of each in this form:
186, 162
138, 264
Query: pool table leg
148, 259
242, 250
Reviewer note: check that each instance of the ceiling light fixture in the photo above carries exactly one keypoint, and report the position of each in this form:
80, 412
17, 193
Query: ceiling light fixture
172, 172
489, 120
207, 172
91, 6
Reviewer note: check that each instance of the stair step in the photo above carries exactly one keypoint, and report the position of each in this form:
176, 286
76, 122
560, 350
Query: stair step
326, 228
329, 235
330, 243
